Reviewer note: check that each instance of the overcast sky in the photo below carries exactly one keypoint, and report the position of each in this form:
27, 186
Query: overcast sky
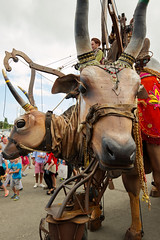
44, 30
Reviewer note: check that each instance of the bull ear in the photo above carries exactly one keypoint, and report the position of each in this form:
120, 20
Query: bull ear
142, 92
66, 84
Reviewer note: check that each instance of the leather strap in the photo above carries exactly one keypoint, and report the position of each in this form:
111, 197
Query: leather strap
48, 136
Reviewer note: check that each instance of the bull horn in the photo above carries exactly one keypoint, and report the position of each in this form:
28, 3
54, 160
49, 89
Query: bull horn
25, 93
25, 106
139, 29
82, 39
27, 96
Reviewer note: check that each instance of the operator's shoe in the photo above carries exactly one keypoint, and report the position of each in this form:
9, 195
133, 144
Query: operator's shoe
41, 185
16, 198
13, 196
35, 185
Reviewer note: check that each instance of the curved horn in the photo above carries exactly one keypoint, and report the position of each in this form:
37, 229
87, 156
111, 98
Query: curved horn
139, 29
25, 93
25, 106
82, 39
27, 96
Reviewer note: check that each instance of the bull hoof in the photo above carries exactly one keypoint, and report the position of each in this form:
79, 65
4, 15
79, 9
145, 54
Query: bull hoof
133, 235
154, 192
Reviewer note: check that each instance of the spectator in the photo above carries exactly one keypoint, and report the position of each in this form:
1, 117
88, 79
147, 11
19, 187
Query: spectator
52, 168
38, 161
50, 173
16, 168
9, 176
4, 142
29, 157
25, 164
2, 173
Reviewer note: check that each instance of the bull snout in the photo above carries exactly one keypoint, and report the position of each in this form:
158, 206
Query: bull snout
10, 156
116, 155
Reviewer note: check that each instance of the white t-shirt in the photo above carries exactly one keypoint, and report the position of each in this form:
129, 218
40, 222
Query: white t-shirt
1, 159
3, 145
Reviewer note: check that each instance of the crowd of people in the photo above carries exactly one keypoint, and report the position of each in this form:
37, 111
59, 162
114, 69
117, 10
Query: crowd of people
45, 171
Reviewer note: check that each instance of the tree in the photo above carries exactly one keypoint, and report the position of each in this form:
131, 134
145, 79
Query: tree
5, 124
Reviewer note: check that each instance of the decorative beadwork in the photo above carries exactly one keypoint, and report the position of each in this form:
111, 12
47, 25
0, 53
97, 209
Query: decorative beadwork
89, 56
28, 107
127, 59
87, 59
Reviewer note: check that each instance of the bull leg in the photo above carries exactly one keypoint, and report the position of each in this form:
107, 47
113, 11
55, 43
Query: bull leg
155, 191
154, 156
132, 185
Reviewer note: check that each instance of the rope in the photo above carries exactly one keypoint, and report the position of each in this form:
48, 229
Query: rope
29, 149
60, 102
140, 164
68, 64
86, 154
41, 95
37, 71
60, 60
151, 71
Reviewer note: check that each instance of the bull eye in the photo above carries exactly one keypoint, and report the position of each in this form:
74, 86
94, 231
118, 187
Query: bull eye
21, 123
82, 89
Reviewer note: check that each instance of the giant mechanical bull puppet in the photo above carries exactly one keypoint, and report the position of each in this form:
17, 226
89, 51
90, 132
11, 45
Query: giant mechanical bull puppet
103, 118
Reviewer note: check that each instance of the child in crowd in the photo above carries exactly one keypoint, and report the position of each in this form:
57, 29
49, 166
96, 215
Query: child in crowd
25, 164
2, 173
16, 168
7, 176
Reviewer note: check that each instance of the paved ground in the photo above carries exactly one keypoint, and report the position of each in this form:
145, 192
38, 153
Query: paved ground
20, 219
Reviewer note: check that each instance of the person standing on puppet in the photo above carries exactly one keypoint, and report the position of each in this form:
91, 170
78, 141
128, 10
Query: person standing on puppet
95, 44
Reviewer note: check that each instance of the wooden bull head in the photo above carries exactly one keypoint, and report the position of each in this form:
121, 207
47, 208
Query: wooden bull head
106, 105
111, 90
36, 130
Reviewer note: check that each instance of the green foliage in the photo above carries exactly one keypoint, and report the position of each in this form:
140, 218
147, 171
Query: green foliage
5, 124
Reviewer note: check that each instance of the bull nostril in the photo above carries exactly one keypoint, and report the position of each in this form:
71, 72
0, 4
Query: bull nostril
132, 156
110, 152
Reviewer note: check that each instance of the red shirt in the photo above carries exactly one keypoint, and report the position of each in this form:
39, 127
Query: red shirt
52, 157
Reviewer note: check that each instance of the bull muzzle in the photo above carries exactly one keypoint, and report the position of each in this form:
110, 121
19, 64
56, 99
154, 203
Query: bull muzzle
10, 156
118, 156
